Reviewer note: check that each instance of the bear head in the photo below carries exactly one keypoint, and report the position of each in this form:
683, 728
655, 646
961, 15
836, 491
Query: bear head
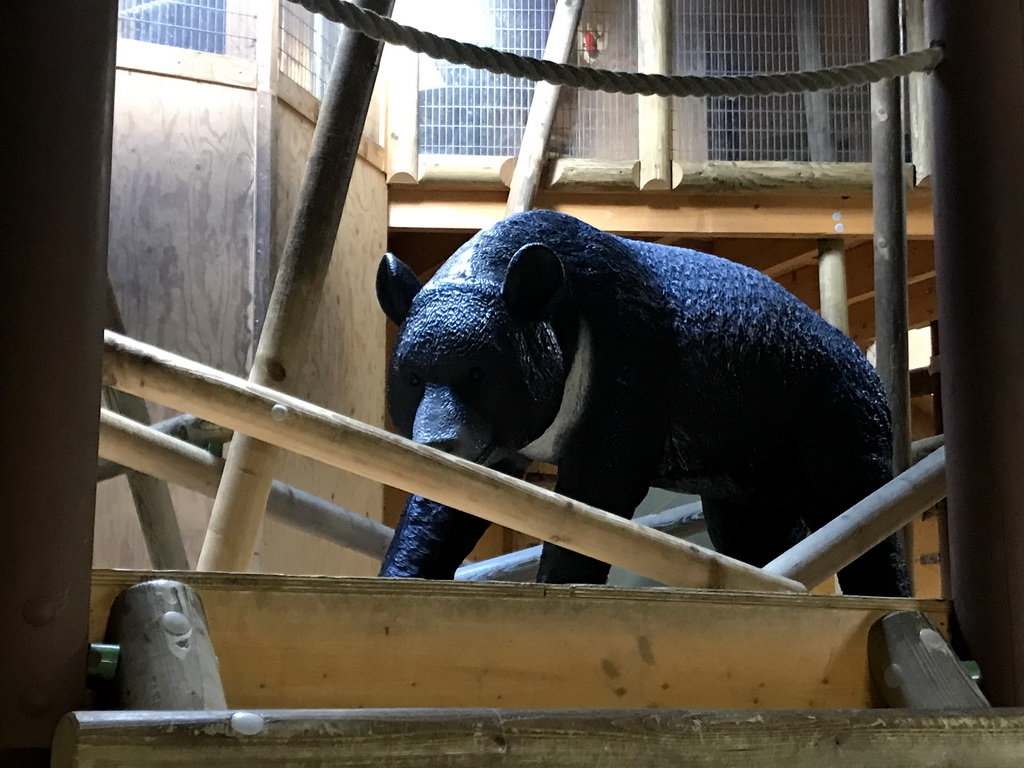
477, 370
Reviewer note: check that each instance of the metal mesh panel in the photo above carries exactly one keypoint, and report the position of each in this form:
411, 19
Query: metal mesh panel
731, 37
463, 111
213, 26
308, 43
593, 124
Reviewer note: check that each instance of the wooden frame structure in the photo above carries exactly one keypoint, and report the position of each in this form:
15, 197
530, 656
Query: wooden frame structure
972, 735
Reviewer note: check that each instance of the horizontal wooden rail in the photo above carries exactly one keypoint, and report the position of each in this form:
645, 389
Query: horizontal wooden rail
370, 452
844, 539
482, 738
146, 450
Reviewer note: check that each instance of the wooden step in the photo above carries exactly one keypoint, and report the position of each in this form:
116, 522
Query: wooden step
324, 642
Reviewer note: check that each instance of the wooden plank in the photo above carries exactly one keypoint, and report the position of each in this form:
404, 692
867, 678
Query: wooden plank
754, 215
913, 666
348, 642
467, 172
287, 422
533, 149
486, 738
137, 56
654, 35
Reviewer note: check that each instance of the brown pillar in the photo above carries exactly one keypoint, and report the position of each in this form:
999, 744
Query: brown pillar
58, 68
978, 103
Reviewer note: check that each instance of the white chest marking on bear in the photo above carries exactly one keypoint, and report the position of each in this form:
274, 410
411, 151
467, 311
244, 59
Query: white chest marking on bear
548, 446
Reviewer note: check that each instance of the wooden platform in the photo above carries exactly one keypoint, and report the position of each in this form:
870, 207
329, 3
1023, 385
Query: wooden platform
319, 642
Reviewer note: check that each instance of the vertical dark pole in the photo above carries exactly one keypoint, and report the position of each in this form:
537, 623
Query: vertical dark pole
889, 201
57, 80
978, 106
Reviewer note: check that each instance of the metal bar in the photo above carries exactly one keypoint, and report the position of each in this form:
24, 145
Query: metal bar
977, 95
890, 220
242, 498
58, 104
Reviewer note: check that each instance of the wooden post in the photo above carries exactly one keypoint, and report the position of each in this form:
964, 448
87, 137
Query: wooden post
890, 239
920, 109
832, 282
575, 738
820, 145
166, 457
402, 69
533, 150
58, 84
152, 498
242, 498
654, 56
845, 538
978, 166
387, 458
913, 667
167, 659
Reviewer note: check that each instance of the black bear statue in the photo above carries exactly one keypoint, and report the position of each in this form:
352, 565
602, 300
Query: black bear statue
632, 365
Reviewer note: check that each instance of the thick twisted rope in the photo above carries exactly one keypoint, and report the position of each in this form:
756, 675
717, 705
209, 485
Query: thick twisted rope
378, 27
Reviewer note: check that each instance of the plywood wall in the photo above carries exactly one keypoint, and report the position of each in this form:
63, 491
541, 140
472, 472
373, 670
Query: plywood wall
180, 257
344, 370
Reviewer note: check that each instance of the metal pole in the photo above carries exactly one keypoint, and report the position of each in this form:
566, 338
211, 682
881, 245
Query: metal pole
889, 201
58, 84
977, 93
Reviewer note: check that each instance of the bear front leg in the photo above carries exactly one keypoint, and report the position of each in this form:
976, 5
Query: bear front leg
432, 539
608, 471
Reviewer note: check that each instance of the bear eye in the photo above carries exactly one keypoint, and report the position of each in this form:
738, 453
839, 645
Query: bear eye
414, 380
476, 373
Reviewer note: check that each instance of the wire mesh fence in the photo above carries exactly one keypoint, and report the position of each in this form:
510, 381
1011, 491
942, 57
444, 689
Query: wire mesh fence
212, 26
308, 43
466, 112
739, 37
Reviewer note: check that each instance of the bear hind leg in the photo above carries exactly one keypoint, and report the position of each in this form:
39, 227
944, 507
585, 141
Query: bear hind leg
754, 533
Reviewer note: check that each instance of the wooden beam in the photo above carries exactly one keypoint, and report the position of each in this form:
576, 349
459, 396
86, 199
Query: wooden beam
151, 496
923, 309
654, 56
370, 452
166, 658
820, 144
525, 645
847, 537
913, 666
487, 738
580, 175
146, 450
138, 56
832, 288
755, 215
238, 509
533, 150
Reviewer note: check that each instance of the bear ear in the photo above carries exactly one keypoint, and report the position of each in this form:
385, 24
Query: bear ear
397, 286
534, 284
